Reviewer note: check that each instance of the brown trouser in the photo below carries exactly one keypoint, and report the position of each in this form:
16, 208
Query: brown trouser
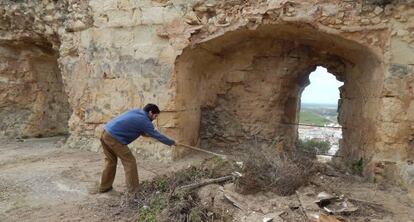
112, 150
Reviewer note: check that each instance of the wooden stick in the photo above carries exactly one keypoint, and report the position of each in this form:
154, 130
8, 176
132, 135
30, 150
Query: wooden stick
202, 150
206, 182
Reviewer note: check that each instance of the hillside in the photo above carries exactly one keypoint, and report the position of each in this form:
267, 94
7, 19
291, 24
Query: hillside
318, 114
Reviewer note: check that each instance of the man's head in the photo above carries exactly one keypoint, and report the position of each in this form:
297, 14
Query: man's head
152, 111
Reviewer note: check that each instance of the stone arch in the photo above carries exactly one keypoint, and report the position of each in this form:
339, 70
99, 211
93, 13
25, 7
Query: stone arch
247, 84
33, 101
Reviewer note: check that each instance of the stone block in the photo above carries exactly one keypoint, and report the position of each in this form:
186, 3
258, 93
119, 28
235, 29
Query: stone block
123, 39
398, 71
171, 13
329, 10
392, 110
407, 175
401, 52
147, 51
144, 34
392, 87
378, 10
120, 18
152, 15
85, 38
167, 55
140, 3
124, 4
99, 6
102, 38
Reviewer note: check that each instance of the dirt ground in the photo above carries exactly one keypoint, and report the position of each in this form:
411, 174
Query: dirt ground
375, 203
40, 181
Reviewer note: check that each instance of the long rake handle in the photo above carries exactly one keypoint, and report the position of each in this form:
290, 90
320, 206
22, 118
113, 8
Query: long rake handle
202, 150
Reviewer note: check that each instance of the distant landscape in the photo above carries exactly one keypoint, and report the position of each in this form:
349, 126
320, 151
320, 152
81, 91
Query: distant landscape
318, 114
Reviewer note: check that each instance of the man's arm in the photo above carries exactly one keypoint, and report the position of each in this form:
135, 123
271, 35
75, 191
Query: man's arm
150, 131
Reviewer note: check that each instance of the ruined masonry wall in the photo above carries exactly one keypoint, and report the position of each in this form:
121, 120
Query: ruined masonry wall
118, 54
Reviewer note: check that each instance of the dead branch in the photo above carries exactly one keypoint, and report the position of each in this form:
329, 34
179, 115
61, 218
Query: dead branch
206, 182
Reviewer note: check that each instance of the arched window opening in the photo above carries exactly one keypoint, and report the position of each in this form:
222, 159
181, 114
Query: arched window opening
319, 130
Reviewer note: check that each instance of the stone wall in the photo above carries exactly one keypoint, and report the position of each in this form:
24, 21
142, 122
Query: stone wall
210, 65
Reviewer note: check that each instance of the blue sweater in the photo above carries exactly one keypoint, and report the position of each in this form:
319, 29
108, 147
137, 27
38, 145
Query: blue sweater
130, 125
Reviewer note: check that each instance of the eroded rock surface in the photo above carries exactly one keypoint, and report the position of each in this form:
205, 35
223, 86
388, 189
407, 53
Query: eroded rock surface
31, 90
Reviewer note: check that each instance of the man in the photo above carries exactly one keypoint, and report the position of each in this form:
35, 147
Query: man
118, 133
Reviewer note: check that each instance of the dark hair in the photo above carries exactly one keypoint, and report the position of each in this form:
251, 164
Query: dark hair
151, 107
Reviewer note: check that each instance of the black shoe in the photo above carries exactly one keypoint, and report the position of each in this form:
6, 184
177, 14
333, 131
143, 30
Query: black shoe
105, 190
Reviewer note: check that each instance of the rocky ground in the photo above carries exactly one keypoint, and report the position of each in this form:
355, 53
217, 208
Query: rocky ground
40, 181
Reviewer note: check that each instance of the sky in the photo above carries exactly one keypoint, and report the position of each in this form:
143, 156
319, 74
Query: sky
323, 88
